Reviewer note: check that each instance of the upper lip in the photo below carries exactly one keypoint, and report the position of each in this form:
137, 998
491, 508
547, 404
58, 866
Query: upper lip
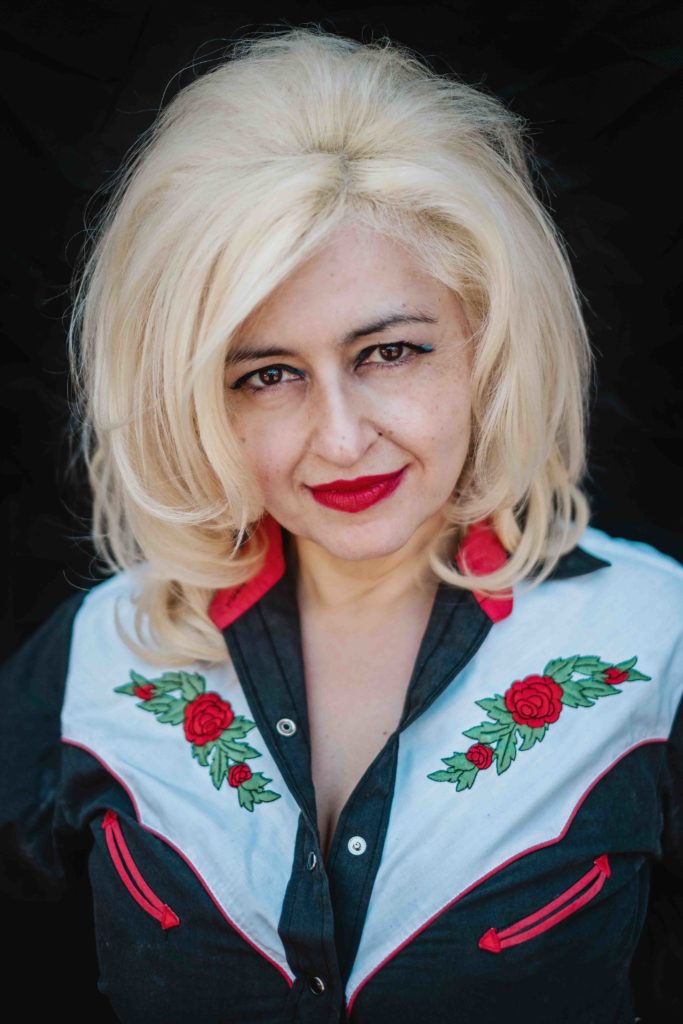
357, 484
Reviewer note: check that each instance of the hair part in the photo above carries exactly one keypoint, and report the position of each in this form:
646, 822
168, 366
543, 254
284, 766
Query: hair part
243, 176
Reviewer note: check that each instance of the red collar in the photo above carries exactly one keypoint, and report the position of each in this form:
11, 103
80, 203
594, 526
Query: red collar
481, 548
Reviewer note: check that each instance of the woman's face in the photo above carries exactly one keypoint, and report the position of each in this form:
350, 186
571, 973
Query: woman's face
326, 403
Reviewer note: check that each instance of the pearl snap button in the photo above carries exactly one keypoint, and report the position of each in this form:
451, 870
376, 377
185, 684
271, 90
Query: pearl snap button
311, 861
316, 985
286, 727
356, 845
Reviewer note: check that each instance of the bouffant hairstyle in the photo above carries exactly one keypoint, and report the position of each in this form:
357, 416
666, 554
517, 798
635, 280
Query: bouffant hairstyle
243, 176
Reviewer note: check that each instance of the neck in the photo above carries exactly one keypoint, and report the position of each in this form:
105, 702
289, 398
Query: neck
327, 585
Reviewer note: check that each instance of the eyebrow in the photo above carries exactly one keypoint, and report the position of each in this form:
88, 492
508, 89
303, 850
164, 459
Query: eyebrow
246, 353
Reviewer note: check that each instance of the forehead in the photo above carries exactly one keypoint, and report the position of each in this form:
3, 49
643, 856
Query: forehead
358, 276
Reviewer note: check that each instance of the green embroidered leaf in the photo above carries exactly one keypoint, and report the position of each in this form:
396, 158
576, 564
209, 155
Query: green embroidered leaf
489, 732
137, 678
172, 677
238, 751
265, 796
573, 696
458, 761
552, 666
633, 675
163, 686
192, 685
587, 663
626, 665
202, 751
238, 728
531, 736
219, 766
506, 751
246, 798
495, 708
257, 781
441, 776
560, 669
595, 688
466, 780
156, 704
174, 713
128, 688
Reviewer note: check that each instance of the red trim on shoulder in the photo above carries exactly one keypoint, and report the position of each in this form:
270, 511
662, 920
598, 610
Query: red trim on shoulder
480, 550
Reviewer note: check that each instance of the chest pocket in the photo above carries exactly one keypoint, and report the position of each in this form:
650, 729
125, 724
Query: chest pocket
131, 876
551, 914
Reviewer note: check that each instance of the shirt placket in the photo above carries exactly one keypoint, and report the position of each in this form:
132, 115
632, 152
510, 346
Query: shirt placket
265, 647
326, 904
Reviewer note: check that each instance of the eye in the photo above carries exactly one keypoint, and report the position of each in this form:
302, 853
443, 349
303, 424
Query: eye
392, 348
270, 378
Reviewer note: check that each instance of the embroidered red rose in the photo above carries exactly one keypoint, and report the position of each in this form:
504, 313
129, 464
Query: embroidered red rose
614, 675
238, 774
481, 755
206, 717
530, 704
534, 700
145, 692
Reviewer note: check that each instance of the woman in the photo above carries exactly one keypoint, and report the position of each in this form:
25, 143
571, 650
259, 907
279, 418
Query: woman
414, 733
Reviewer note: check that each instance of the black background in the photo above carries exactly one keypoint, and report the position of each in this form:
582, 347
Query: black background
598, 83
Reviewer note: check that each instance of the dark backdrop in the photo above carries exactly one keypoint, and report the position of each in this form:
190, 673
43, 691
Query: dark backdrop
598, 82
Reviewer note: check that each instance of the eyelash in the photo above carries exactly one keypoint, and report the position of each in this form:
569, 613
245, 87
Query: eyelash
418, 350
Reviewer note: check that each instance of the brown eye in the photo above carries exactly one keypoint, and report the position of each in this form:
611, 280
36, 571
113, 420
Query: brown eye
392, 348
268, 378
266, 374
392, 352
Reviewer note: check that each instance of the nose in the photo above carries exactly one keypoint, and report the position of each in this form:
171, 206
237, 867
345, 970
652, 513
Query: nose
341, 424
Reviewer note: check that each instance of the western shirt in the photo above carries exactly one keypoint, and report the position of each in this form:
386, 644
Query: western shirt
493, 861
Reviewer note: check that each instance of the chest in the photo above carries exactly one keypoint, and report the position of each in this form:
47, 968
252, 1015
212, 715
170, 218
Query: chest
355, 690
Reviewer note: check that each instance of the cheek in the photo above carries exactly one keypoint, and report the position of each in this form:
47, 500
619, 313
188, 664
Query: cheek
271, 452
437, 422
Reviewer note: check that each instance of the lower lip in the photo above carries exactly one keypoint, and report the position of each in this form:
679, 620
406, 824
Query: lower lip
357, 501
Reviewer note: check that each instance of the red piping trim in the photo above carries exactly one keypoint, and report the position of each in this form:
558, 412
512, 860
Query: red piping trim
149, 901
510, 860
159, 835
480, 552
495, 941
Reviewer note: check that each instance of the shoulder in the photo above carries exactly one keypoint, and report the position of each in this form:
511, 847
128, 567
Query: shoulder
626, 555
83, 624
637, 601
633, 576
34, 672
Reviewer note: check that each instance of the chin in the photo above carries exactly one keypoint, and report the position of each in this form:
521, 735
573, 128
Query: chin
364, 540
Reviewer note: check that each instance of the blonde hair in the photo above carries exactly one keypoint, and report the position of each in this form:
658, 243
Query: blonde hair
243, 176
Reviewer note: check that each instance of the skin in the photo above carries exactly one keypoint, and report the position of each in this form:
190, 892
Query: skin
334, 419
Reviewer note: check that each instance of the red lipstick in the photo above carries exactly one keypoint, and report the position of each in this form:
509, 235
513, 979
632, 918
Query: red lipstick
356, 495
